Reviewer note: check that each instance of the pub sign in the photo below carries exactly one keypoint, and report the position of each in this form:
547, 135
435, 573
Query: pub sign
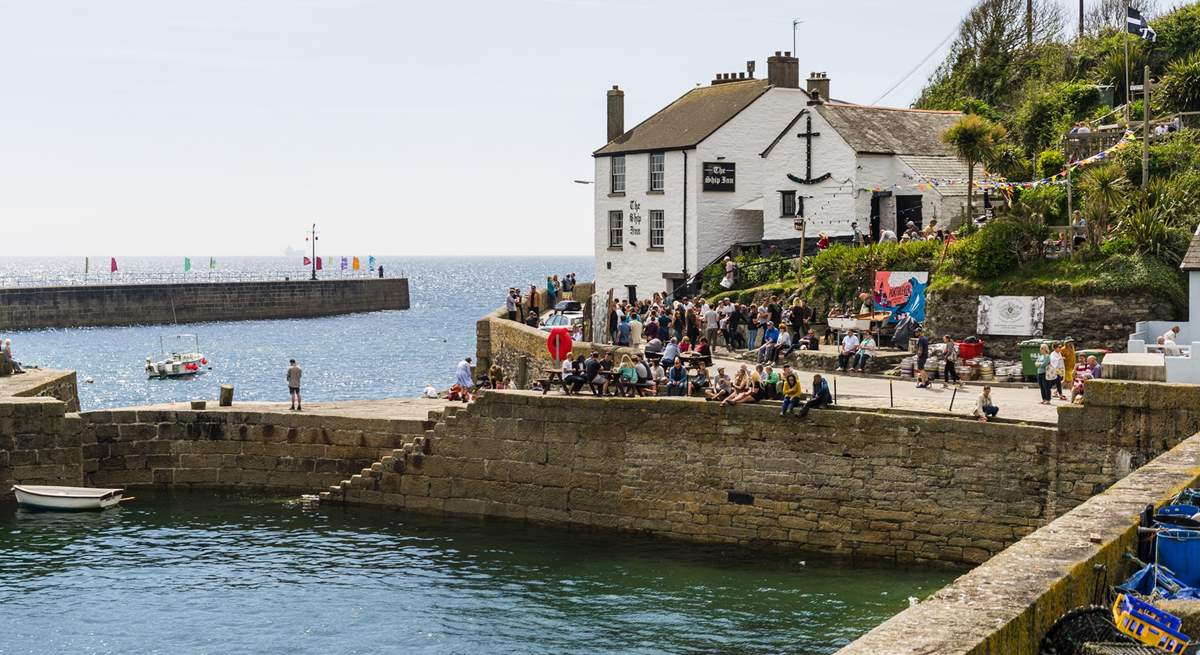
719, 176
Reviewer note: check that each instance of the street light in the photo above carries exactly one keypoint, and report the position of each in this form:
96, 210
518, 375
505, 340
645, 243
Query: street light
314, 251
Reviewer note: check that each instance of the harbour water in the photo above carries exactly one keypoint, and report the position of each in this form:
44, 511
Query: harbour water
350, 357
205, 573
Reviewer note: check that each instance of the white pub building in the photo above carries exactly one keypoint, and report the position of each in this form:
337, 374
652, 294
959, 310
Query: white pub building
736, 164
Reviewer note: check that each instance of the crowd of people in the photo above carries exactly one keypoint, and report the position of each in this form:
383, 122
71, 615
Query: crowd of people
527, 307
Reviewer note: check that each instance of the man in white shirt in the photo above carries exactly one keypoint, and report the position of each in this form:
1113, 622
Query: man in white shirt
712, 326
849, 347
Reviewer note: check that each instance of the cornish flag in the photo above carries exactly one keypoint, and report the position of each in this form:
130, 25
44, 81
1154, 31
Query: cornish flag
1140, 26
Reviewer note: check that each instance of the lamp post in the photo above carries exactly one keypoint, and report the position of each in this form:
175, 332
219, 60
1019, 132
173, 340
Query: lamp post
314, 251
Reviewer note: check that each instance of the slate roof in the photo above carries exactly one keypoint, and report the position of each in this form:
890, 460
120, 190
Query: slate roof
689, 120
942, 167
888, 131
1191, 260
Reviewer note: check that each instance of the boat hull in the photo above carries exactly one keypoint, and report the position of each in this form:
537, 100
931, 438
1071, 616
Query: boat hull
66, 499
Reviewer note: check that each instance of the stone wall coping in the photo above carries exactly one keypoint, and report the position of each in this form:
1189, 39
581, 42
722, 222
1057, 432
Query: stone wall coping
1007, 603
1143, 395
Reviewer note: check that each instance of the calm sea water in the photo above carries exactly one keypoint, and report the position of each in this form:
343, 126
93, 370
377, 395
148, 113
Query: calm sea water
356, 356
192, 573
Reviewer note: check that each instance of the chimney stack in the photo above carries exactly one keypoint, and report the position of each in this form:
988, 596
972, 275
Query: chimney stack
818, 86
616, 112
783, 70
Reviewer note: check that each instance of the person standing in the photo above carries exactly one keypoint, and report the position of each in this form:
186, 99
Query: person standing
712, 325
464, 378
534, 300
922, 357
1043, 366
293, 380
511, 303
950, 374
1055, 371
551, 292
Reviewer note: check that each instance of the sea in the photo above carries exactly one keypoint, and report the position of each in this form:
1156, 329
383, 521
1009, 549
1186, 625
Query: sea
371, 355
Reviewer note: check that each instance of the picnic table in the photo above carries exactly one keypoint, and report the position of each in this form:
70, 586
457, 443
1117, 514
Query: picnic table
553, 375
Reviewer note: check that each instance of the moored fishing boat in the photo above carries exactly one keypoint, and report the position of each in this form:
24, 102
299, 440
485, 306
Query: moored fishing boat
55, 498
179, 362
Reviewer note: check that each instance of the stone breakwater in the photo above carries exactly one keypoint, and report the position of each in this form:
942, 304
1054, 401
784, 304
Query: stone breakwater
43, 307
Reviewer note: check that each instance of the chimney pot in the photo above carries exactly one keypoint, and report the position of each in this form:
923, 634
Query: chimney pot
786, 53
777, 53
818, 86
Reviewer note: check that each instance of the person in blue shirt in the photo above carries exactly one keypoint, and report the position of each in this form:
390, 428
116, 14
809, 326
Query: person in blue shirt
670, 353
677, 380
623, 331
820, 396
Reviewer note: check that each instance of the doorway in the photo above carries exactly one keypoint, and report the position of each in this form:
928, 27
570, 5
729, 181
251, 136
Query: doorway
632, 288
908, 208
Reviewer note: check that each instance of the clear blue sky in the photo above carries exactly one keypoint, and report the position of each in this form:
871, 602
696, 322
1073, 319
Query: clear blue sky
226, 127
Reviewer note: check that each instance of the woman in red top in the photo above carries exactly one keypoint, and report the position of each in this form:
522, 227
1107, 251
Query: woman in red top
823, 242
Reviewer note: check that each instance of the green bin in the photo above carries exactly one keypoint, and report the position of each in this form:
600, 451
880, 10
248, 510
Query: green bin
1029, 352
1099, 353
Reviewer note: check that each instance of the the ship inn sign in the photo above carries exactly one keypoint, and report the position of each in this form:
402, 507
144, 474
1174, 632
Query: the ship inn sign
719, 176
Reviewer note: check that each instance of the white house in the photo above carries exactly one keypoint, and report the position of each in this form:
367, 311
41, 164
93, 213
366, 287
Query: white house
728, 165
1182, 362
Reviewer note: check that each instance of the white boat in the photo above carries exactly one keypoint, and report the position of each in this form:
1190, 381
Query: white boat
179, 362
66, 498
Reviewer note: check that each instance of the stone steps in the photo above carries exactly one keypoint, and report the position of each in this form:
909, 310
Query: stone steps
410, 454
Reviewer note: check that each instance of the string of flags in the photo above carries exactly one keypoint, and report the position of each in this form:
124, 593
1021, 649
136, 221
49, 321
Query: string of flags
344, 263
1062, 177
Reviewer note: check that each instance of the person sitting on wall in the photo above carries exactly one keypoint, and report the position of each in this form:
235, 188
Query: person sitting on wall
704, 351
771, 381
820, 396
810, 341
792, 392
645, 384
754, 392
721, 386
866, 350
849, 349
741, 384
626, 377
700, 382
658, 375
784, 345
677, 379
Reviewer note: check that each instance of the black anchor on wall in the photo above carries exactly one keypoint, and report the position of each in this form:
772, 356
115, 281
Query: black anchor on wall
808, 135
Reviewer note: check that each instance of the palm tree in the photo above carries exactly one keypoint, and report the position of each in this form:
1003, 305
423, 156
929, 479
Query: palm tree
975, 139
1104, 187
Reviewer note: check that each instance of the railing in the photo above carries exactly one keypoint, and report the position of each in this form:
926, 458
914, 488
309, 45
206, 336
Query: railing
77, 278
1080, 146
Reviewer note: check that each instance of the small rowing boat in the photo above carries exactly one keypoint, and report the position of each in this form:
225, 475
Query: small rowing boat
66, 498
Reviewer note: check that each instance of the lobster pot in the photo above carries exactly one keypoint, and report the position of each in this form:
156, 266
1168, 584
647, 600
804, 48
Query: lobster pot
906, 366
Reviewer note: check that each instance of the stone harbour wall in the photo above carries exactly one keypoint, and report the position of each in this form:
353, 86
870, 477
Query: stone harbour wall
60, 385
1092, 321
233, 447
1006, 605
128, 304
38, 444
863, 484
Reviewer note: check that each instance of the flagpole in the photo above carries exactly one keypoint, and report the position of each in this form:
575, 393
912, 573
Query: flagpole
1125, 40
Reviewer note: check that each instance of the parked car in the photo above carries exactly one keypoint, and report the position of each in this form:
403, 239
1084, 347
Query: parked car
569, 321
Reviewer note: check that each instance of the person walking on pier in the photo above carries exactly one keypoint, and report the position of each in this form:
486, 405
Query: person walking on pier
293, 379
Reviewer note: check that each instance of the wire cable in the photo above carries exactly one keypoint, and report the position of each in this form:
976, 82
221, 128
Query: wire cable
917, 67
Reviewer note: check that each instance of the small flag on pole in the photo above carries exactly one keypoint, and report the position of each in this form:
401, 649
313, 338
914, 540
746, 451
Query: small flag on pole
112, 267
212, 262
86, 264
187, 264
1137, 24
307, 261
318, 263
371, 262
344, 263
356, 266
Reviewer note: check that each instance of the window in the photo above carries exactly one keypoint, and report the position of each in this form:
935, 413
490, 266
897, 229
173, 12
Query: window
658, 225
618, 174
787, 204
616, 235
657, 165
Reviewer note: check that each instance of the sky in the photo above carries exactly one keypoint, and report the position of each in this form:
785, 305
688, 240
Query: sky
457, 127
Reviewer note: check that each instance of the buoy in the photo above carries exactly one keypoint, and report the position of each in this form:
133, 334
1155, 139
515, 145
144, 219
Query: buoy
88, 380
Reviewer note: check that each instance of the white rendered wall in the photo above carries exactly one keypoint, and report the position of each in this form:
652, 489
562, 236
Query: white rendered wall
640, 265
827, 204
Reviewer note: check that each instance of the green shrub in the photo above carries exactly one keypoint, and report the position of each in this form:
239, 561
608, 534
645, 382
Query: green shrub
987, 253
1117, 246
1050, 162
1181, 88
